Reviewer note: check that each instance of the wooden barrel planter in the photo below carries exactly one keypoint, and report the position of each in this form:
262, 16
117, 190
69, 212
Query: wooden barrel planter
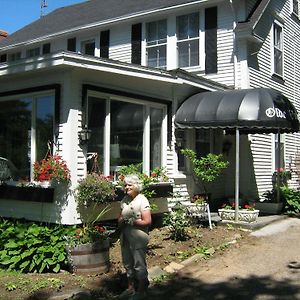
90, 258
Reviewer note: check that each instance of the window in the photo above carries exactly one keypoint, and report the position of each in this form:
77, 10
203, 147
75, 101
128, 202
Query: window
277, 49
156, 46
46, 48
204, 142
295, 7
33, 52
27, 124
88, 47
279, 151
71, 46
3, 58
119, 134
14, 56
188, 40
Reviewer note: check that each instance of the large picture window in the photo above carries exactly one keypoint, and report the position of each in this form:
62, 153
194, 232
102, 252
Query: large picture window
188, 40
124, 133
27, 125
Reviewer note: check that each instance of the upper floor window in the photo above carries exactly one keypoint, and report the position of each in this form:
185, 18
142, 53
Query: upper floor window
14, 56
88, 47
277, 49
296, 7
188, 40
33, 52
156, 47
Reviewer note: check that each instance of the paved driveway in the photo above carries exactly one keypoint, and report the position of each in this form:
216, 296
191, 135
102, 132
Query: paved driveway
257, 270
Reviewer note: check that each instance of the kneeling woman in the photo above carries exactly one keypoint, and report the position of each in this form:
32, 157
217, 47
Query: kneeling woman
134, 221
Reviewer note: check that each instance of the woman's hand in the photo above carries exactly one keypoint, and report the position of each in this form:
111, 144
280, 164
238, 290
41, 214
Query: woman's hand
145, 219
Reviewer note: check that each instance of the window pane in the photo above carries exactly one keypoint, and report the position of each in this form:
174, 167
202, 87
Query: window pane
162, 30
194, 25
15, 119
126, 133
152, 54
194, 53
162, 60
278, 62
96, 118
151, 32
182, 27
183, 54
44, 125
156, 117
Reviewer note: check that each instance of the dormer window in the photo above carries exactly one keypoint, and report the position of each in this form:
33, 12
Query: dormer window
156, 47
188, 40
88, 47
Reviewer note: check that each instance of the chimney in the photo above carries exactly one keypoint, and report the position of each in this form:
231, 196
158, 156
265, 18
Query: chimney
3, 34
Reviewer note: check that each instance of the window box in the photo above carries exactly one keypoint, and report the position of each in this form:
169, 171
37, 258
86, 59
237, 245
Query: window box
35, 194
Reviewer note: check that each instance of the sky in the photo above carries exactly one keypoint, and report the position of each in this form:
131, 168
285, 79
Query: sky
16, 14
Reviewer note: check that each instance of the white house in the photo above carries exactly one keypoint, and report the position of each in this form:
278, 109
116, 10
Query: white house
122, 70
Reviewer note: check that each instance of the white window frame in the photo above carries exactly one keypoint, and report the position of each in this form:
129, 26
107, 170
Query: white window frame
295, 7
146, 136
200, 38
83, 43
274, 48
157, 43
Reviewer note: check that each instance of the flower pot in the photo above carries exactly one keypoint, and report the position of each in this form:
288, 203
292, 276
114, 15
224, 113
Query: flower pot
90, 258
244, 216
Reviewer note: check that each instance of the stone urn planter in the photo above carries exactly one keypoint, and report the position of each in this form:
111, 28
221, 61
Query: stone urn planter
90, 258
244, 215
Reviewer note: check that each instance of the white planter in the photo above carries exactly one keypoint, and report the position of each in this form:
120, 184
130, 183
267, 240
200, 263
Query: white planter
195, 210
245, 216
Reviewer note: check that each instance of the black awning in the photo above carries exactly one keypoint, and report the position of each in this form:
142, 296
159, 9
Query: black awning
260, 110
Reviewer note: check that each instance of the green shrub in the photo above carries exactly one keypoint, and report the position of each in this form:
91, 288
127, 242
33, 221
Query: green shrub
29, 247
177, 222
291, 200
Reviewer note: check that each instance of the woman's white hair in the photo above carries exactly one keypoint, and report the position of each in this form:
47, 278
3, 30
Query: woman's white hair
135, 181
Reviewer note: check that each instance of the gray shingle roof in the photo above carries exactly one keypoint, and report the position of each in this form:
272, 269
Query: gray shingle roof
85, 13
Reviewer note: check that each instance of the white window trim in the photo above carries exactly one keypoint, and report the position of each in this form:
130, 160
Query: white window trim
146, 136
292, 8
272, 49
88, 40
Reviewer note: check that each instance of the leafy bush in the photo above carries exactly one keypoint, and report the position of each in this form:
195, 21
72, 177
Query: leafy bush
29, 247
291, 200
95, 188
177, 221
208, 168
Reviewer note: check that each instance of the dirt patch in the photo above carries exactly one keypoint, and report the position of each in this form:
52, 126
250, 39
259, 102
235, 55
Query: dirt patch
161, 251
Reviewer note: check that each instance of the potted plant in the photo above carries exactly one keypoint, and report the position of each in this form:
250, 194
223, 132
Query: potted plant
207, 168
246, 214
89, 246
52, 169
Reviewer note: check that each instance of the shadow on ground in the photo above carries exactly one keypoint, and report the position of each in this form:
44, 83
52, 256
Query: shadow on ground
180, 287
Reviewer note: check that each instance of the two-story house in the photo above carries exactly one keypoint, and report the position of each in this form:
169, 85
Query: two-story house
123, 71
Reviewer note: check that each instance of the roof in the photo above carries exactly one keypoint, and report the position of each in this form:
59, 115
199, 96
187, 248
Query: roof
86, 13
258, 10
